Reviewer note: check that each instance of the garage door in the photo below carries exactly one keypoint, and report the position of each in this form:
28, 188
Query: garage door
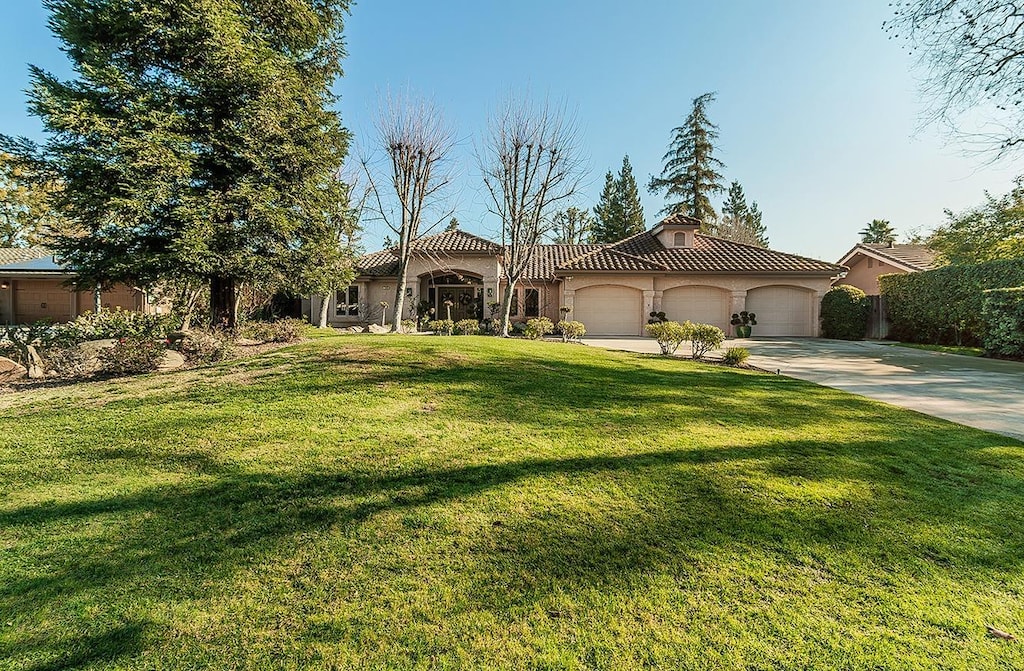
701, 305
609, 310
36, 300
781, 311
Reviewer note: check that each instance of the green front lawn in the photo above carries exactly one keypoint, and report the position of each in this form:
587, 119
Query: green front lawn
945, 349
425, 502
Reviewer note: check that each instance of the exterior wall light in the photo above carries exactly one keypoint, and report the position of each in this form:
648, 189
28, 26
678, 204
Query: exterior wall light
5, 285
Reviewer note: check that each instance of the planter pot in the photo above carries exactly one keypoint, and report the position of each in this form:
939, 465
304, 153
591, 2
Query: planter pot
742, 331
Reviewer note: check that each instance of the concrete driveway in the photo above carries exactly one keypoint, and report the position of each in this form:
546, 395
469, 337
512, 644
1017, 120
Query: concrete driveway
983, 393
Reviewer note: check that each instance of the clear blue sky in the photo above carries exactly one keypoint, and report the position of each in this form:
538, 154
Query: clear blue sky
818, 111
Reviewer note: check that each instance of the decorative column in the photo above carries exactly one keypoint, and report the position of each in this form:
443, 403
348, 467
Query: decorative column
657, 301
648, 307
738, 301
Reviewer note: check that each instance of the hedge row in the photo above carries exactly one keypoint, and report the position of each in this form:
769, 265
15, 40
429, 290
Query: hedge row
944, 306
1003, 312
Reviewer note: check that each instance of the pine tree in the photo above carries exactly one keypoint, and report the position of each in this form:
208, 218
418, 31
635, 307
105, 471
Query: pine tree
691, 173
199, 144
739, 221
629, 195
608, 226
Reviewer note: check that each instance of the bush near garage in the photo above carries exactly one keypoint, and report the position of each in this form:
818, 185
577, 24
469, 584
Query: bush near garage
944, 306
845, 311
1003, 312
538, 328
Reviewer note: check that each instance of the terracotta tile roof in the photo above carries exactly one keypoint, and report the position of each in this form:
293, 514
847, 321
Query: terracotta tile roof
18, 254
456, 241
918, 257
548, 258
708, 255
640, 253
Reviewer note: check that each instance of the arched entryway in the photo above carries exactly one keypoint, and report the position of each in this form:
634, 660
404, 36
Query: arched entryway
457, 294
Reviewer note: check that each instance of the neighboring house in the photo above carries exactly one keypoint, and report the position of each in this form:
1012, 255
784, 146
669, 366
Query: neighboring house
867, 261
611, 288
34, 286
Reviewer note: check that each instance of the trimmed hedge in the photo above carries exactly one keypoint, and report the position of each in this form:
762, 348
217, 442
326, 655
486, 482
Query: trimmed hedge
1003, 312
944, 306
845, 311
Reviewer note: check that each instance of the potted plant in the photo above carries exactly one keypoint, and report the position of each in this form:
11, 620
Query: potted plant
743, 321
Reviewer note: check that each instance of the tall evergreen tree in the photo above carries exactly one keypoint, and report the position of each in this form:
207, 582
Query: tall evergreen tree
739, 221
608, 224
196, 144
619, 212
629, 195
691, 172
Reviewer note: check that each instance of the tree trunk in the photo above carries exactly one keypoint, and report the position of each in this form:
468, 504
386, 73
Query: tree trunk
223, 302
97, 300
506, 309
396, 319
325, 304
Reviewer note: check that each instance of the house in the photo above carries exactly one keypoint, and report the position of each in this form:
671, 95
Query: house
867, 261
35, 286
611, 288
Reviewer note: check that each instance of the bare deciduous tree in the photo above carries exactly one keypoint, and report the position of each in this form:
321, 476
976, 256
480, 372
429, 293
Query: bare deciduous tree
418, 143
972, 53
531, 163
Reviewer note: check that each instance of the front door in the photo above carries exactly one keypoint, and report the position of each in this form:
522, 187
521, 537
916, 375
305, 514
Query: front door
465, 302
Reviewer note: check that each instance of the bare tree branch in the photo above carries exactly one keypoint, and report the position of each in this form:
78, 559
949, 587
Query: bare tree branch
531, 163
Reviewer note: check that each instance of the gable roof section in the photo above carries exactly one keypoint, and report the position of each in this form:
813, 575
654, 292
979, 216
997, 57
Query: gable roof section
640, 253
913, 258
708, 255
9, 255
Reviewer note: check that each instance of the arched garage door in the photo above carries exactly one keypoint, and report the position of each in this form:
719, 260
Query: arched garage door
781, 311
701, 305
609, 310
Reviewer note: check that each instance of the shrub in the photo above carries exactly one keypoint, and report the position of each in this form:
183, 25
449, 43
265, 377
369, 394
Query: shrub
68, 362
1003, 312
130, 356
734, 356
280, 331
668, 334
704, 338
844, 313
538, 328
201, 345
116, 323
409, 326
743, 318
571, 330
441, 326
466, 327
944, 306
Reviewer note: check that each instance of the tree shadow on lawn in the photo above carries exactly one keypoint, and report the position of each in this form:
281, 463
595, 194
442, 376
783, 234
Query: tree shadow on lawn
179, 542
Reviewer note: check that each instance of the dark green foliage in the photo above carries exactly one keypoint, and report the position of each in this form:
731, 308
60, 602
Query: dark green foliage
990, 231
844, 313
619, 212
944, 306
691, 172
734, 356
197, 140
879, 232
739, 221
1003, 312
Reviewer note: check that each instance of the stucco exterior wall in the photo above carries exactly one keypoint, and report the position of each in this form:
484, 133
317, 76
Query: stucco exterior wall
864, 272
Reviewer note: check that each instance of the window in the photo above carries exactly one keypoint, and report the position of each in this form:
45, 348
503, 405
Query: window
532, 302
346, 302
679, 240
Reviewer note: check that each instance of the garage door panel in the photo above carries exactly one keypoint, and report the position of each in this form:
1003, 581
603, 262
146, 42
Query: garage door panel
781, 311
609, 310
36, 300
701, 305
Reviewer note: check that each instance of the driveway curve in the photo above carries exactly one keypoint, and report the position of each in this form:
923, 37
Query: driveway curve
983, 393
